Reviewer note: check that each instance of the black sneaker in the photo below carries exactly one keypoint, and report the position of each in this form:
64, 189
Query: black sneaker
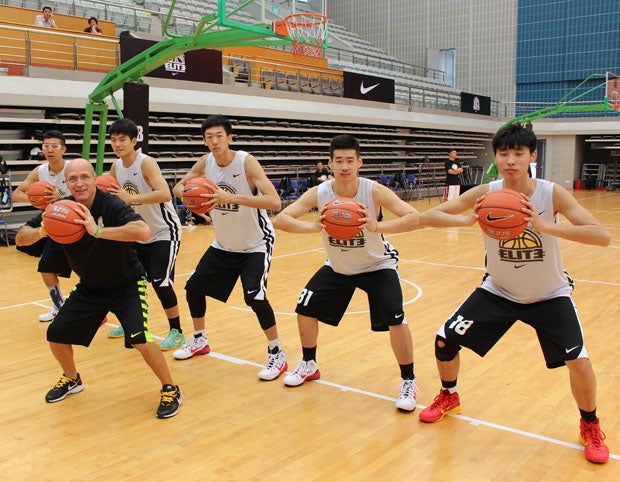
170, 401
64, 387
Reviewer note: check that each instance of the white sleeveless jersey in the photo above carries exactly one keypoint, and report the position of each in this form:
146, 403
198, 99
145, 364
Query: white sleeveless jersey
240, 229
366, 252
529, 267
59, 180
162, 217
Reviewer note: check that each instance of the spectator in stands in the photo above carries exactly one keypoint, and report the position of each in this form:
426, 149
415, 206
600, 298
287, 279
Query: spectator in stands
367, 262
93, 26
243, 245
320, 175
453, 177
46, 19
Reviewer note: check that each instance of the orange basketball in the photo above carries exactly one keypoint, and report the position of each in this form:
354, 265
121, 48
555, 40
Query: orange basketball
105, 182
38, 192
500, 215
58, 222
342, 219
192, 198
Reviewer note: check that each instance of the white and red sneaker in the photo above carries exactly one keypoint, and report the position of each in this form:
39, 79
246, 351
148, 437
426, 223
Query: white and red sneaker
276, 364
305, 372
196, 346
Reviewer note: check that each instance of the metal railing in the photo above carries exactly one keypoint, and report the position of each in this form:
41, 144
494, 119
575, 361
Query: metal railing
32, 47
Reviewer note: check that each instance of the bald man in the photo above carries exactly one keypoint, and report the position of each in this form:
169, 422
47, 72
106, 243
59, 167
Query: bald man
111, 279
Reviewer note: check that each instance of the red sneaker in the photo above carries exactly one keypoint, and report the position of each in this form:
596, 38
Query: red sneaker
443, 404
591, 436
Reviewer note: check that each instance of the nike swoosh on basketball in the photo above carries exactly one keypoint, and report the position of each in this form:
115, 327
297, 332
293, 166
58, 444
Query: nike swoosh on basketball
365, 90
492, 219
568, 350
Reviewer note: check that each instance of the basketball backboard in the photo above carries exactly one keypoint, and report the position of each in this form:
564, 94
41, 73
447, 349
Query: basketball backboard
612, 91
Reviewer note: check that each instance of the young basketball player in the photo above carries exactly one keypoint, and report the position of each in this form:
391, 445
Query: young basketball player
111, 279
144, 187
368, 263
535, 290
52, 263
243, 245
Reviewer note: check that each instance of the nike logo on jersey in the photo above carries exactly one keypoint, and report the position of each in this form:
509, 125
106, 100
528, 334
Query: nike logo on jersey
492, 219
568, 350
236, 175
365, 90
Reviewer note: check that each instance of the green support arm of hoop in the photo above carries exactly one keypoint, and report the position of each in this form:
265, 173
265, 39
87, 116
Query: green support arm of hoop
562, 106
235, 35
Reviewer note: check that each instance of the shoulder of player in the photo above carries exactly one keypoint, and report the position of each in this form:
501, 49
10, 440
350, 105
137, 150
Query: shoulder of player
562, 198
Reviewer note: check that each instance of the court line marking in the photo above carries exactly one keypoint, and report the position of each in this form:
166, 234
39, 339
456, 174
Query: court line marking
471, 420
344, 388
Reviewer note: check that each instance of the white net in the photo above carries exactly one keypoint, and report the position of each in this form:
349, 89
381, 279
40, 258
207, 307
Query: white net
307, 32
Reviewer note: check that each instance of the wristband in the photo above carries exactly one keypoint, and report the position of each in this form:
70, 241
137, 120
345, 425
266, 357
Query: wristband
41, 232
97, 231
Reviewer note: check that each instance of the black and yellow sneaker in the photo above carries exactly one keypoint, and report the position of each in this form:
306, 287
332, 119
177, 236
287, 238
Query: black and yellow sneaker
64, 387
170, 401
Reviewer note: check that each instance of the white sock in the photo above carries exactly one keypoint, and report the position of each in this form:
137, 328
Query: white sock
275, 342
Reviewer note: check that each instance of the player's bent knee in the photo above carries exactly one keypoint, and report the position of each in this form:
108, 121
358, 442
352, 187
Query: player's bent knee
167, 296
197, 303
444, 350
264, 312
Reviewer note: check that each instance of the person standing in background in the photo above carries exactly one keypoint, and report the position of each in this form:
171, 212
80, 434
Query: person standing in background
453, 177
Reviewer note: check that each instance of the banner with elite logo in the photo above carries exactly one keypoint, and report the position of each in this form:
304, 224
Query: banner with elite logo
202, 65
368, 87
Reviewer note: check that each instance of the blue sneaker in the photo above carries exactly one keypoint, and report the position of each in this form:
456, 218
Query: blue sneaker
174, 339
116, 332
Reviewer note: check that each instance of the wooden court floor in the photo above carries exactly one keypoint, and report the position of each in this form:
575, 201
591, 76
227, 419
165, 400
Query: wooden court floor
519, 421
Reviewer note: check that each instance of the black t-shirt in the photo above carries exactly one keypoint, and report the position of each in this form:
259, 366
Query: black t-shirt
452, 179
314, 177
101, 264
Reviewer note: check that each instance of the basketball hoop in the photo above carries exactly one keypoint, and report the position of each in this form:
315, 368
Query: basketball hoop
307, 32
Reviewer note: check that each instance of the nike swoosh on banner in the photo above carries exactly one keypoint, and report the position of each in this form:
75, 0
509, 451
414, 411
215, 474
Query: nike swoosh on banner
365, 90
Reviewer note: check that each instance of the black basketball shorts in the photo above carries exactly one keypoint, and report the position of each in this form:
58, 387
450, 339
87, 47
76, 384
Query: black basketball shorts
484, 318
327, 295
